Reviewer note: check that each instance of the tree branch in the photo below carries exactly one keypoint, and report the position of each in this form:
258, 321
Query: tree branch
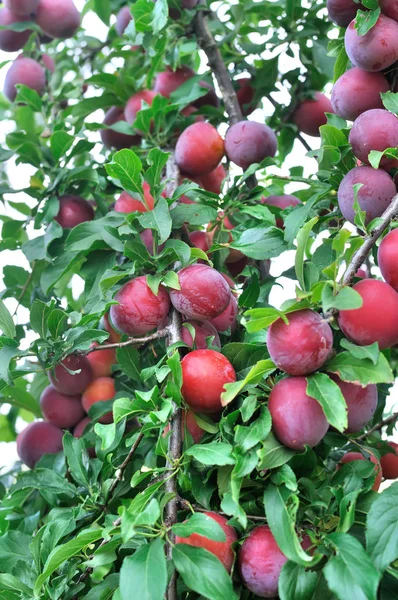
162, 333
174, 454
362, 253
216, 63
172, 175
122, 468
391, 419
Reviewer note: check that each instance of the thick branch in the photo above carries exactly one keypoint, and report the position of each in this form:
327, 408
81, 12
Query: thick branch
130, 342
216, 63
174, 454
362, 253
391, 419
172, 175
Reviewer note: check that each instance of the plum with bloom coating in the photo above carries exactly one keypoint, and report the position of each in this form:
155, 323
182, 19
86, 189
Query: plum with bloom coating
36, 439
203, 293
248, 142
301, 346
139, 309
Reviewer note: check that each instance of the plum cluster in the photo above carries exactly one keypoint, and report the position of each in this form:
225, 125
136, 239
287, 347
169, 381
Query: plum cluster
59, 20
76, 384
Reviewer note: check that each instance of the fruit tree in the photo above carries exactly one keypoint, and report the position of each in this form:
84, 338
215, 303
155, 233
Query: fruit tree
199, 309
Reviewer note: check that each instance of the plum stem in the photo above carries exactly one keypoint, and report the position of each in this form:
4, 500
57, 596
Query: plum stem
391, 419
362, 253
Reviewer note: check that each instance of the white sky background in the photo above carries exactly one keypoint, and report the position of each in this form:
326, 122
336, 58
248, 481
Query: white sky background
19, 178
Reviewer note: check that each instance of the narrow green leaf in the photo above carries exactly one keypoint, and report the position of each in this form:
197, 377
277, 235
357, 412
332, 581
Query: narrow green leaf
329, 395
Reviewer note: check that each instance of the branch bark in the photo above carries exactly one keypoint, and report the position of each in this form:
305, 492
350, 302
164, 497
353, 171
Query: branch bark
391, 419
122, 468
162, 333
174, 454
362, 253
216, 63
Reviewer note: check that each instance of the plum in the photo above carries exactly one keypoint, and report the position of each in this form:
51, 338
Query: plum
72, 383
375, 129
58, 19
357, 91
11, 41
24, 71
388, 258
248, 142
361, 403
114, 139
59, 409
73, 210
377, 49
100, 390
37, 439
199, 149
310, 115
203, 330
342, 12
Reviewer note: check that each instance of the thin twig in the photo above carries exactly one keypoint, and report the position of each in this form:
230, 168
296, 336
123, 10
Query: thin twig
25, 287
361, 254
391, 419
122, 468
162, 333
305, 144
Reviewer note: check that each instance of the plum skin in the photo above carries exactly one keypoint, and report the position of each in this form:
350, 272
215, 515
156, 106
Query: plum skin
375, 129
223, 550
282, 202
342, 12
73, 210
375, 195
168, 81
203, 294
199, 149
357, 91
361, 403
123, 18
139, 310
58, 19
377, 49
203, 330
59, 409
303, 345
387, 258
376, 320
99, 390
11, 41
135, 104
101, 361
127, 204
297, 419
260, 562
389, 462
204, 373
351, 456
114, 139
309, 115
188, 423
248, 142
25, 71
36, 439
68, 383
228, 318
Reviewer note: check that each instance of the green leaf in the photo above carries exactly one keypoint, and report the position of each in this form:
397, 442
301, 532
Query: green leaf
44, 479
302, 241
158, 219
346, 299
371, 352
194, 214
7, 352
296, 583
382, 528
144, 574
261, 243
28, 96
329, 395
39, 314
203, 573
17, 396
9, 582
350, 573
282, 526
201, 524
77, 457
248, 437
273, 454
128, 360
256, 374
126, 169
60, 143
366, 20
14, 548
261, 318
103, 10
6, 323
361, 371
215, 453
390, 101
65, 552
341, 63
